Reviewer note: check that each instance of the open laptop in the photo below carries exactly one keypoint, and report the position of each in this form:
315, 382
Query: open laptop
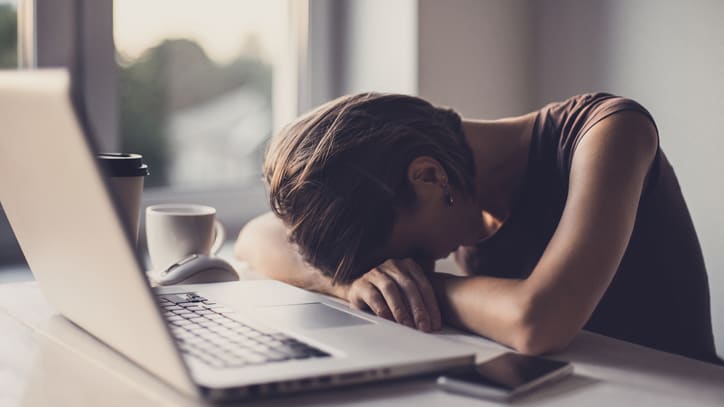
214, 341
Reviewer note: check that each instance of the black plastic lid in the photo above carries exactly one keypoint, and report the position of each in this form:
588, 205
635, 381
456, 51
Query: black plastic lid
123, 164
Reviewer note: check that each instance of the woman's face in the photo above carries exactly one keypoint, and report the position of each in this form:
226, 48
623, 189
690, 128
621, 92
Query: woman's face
433, 228
434, 231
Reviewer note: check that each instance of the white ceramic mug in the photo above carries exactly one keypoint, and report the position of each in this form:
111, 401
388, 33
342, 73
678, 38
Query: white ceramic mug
176, 231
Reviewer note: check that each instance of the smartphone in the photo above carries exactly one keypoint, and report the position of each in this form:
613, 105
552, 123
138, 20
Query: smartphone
505, 376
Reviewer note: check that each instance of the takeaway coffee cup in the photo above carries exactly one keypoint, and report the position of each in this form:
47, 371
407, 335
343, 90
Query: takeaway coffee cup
176, 231
126, 173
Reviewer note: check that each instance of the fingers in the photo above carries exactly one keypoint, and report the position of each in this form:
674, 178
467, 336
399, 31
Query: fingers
412, 292
398, 290
392, 295
365, 295
429, 298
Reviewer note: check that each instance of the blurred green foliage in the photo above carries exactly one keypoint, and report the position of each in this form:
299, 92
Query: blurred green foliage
8, 37
142, 115
174, 75
9, 249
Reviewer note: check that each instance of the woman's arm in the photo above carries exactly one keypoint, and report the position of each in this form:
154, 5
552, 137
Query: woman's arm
406, 297
545, 311
263, 244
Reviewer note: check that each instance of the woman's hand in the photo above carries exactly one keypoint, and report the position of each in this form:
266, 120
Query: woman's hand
398, 290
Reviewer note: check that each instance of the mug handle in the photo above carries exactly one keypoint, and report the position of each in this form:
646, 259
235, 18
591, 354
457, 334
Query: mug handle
220, 237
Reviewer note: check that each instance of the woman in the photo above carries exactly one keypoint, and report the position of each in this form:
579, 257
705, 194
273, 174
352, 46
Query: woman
562, 219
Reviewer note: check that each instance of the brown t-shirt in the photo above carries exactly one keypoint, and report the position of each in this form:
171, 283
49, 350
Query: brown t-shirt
659, 296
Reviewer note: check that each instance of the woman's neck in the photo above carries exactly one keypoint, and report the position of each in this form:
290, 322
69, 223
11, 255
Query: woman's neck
500, 150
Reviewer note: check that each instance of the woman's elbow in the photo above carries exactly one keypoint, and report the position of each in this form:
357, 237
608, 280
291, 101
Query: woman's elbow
240, 249
530, 342
248, 237
533, 335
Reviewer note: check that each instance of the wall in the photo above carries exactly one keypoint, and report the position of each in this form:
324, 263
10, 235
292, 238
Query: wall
474, 56
378, 48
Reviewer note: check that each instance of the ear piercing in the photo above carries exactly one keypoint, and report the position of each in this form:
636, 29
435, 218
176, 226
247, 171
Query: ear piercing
448, 197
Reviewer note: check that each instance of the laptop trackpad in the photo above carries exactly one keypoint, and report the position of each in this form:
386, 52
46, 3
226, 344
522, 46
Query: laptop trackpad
310, 316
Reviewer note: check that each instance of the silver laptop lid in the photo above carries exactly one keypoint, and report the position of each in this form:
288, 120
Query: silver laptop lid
66, 223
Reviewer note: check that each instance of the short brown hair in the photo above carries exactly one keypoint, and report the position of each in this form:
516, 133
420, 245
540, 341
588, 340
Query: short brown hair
337, 175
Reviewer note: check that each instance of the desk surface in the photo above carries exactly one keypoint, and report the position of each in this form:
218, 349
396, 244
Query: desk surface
46, 360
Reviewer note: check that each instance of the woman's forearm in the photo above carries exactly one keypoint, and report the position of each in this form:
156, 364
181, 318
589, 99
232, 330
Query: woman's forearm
493, 307
263, 244
505, 310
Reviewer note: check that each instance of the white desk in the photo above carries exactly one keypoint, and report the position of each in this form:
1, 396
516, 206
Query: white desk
45, 360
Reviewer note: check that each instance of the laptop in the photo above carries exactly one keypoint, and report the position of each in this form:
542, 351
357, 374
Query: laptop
213, 341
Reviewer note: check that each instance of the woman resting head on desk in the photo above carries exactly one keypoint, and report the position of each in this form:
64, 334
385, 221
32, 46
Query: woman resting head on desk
566, 218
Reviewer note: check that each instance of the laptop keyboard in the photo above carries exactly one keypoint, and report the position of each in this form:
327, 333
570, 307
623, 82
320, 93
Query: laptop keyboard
207, 331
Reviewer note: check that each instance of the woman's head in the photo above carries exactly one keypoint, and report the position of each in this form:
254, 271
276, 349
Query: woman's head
343, 175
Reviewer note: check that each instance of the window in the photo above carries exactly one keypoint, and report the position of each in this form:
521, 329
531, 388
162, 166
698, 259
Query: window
9, 250
201, 86
8, 34
195, 86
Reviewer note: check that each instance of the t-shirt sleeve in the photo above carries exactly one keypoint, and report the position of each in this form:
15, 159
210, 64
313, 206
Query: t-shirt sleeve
577, 115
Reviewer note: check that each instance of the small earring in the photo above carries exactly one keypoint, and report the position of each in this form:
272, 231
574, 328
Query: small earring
449, 198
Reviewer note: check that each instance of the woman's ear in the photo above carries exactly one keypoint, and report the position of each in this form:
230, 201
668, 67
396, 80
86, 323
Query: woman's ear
427, 177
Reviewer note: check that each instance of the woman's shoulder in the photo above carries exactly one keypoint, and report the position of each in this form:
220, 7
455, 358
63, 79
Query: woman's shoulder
590, 108
563, 124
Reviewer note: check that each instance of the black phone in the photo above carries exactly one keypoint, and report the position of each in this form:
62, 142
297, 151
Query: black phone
505, 376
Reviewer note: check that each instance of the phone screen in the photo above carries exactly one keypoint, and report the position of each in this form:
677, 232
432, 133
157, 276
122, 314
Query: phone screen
510, 371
